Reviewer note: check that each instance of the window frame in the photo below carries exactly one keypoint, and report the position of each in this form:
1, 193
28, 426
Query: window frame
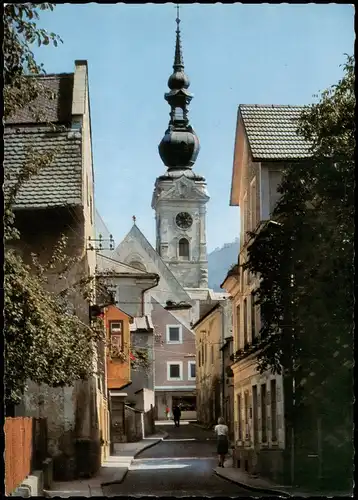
254, 332
245, 329
177, 363
190, 364
186, 256
273, 405
114, 335
253, 205
168, 341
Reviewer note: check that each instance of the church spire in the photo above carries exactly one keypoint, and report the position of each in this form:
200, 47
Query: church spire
179, 147
178, 58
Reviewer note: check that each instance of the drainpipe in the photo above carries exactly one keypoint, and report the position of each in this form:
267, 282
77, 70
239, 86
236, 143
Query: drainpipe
146, 289
153, 350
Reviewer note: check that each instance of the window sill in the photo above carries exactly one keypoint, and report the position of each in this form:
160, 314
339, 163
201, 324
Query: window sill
174, 342
175, 379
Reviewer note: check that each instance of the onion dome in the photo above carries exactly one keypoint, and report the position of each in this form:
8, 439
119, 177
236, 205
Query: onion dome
179, 147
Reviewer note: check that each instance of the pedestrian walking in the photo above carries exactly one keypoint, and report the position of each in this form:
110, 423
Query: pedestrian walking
176, 415
222, 431
167, 412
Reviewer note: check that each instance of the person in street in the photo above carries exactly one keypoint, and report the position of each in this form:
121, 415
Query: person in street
176, 415
222, 432
167, 412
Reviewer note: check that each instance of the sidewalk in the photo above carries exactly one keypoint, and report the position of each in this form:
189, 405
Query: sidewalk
265, 485
112, 471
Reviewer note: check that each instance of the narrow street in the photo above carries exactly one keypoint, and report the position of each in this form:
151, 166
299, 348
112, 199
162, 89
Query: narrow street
182, 465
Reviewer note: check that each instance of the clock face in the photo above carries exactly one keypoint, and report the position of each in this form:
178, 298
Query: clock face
184, 220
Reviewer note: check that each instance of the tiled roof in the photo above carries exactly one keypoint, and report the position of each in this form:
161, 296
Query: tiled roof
57, 185
271, 131
105, 263
57, 110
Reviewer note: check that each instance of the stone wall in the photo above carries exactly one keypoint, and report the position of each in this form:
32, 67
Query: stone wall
133, 424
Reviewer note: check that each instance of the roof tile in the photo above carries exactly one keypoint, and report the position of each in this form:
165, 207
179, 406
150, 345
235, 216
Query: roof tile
60, 183
57, 110
272, 131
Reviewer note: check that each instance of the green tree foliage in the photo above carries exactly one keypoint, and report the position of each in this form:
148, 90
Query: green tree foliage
305, 264
45, 340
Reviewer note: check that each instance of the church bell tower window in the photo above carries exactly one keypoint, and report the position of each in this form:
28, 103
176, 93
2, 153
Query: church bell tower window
184, 249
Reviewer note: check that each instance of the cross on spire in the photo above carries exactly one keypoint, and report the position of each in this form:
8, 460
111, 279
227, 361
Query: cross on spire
178, 18
134, 218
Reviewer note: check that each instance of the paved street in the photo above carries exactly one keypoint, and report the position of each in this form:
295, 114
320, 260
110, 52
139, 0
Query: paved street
182, 465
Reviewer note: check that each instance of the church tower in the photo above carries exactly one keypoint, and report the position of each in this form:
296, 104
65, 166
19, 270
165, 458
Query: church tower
180, 195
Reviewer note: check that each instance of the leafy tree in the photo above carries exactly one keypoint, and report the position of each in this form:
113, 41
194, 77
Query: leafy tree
305, 263
45, 339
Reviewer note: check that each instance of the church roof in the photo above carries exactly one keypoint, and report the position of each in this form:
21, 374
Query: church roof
163, 270
105, 263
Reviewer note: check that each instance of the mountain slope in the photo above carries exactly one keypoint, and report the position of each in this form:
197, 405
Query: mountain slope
219, 262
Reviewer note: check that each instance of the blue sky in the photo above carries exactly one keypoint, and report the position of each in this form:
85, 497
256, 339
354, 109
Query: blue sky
233, 54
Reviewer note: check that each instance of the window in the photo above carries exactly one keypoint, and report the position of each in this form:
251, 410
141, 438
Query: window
239, 416
238, 326
212, 354
178, 114
174, 334
246, 410
273, 411
255, 416
263, 414
184, 248
175, 370
245, 323
91, 209
88, 191
205, 353
253, 317
199, 358
245, 225
187, 403
253, 215
137, 265
191, 370
116, 338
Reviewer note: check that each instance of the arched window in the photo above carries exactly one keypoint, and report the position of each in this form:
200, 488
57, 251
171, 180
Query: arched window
178, 114
137, 265
184, 248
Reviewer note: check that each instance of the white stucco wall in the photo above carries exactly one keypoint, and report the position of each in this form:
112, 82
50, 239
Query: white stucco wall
171, 197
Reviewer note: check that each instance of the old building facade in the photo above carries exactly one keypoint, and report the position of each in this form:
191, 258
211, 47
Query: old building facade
258, 161
211, 330
60, 201
175, 365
